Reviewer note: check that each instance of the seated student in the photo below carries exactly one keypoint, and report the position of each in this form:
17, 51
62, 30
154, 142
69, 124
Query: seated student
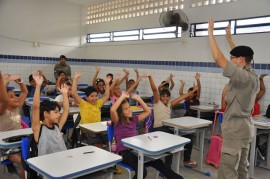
162, 111
90, 109
59, 99
32, 87
129, 83
256, 109
125, 126
48, 134
62, 79
98, 83
166, 84
193, 99
10, 106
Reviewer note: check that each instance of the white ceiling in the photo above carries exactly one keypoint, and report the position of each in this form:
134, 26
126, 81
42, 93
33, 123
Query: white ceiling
86, 2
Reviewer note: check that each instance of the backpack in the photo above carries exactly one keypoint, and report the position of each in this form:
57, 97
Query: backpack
32, 152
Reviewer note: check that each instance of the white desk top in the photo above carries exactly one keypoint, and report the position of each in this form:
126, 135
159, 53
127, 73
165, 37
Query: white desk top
204, 107
187, 122
13, 133
95, 127
155, 143
261, 121
73, 163
72, 110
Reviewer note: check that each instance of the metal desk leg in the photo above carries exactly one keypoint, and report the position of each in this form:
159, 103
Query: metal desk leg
176, 162
197, 133
200, 166
140, 165
252, 155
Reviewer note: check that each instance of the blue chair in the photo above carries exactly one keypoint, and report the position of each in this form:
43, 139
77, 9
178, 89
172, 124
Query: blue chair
5, 162
26, 120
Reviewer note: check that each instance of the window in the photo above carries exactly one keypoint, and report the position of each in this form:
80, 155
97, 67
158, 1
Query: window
140, 34
199, 3
238, 26
134, 7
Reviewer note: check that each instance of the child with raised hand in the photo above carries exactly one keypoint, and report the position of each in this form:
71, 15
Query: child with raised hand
193, 99
90, 109
62, 79
10, 117
98, 83
166, 84
125, 126
48, 135
162, 111
129, 83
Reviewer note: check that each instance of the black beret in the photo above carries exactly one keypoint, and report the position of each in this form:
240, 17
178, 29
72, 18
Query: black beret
242, 51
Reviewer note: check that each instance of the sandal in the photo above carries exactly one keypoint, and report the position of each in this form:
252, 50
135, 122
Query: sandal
190, 164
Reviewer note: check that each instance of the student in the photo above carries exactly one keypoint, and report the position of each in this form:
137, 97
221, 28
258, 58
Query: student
62, 66
98, 83
90, 109
32, 87
48, 134
237, 125
162, 111
166, 84
129, 83
193, 99
60, 99
260, 94
62, 79
125, 126
10, 106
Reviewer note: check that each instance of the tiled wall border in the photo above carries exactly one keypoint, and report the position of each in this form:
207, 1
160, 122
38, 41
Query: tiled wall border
143, 63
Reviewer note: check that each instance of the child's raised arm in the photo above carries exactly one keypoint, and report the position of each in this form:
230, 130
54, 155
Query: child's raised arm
124, 77
36, 106
107, 90
45, 82
181, 90
24, 92
75, 95
146, 110
134, 84
184, 96
64, 115
197, 77
97, 68
153, 87
115, 106
172, 82
3, 94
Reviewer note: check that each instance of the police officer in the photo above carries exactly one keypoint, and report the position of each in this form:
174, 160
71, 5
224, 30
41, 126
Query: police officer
237, 127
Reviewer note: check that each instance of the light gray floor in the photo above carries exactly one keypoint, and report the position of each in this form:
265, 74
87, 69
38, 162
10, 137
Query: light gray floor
186, 173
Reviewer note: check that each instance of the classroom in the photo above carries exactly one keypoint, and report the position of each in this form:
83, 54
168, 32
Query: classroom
35, 33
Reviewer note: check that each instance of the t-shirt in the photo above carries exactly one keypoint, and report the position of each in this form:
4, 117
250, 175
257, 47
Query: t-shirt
10, 120
50, 140
191, 112
161, 112
122, 131
65, 68
31, 90
90, 113
59, 98
114, 99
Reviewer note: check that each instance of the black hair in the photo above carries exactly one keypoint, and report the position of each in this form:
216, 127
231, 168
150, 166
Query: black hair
119, 111
63, 56
68, 83
131, 80
110, 74
99, 80
89, 90
248, 59
165, 91
61, 72
31, 78
47, 106
166, 84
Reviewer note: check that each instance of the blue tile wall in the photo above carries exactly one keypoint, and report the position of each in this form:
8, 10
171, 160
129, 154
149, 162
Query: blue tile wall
148, 64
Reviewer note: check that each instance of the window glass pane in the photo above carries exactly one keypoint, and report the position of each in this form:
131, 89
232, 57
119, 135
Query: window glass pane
159, 36
253, 30
126, 38
100, 40
253, 21
159, 30
123, 33
100, 35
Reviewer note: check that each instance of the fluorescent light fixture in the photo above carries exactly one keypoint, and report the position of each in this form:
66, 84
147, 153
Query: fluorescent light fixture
159, 30
260, 20
159, 36
253, 30
127, 38
126, 33
100, 40
100, 35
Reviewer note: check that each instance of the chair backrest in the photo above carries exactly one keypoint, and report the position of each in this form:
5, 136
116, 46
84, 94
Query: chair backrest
110, 133
26, 120
25, 148
186, 106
